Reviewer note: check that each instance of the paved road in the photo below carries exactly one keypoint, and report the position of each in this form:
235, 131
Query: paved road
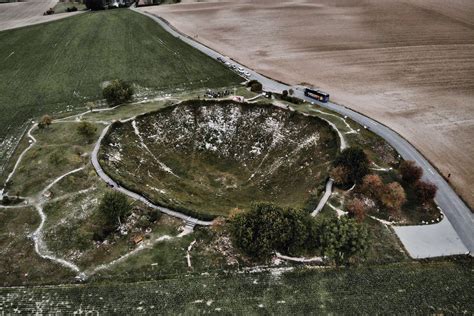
95, 162
456, 211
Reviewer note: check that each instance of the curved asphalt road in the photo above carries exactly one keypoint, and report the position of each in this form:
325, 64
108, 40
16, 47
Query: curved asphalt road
455, 209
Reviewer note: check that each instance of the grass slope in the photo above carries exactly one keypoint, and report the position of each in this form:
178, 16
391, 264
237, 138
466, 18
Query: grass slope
52, 67
207, 158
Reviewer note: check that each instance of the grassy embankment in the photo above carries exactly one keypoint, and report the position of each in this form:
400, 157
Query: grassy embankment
56, 67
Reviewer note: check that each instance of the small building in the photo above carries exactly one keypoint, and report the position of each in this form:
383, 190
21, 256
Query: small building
137, 239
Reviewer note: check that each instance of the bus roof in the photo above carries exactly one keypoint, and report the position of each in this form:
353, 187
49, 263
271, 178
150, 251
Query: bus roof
318, 92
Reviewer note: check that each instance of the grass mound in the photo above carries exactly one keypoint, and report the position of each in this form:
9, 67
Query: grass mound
207, 158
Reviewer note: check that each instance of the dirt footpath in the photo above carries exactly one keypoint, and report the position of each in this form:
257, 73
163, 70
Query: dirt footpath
408, 64
18, 14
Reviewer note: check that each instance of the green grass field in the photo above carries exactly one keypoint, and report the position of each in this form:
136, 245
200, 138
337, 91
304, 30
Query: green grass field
56, 67
411, 288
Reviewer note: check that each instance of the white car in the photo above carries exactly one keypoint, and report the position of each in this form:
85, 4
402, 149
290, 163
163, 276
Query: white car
247, 74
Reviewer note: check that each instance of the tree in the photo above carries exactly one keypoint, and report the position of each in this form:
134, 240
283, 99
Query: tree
356, 161
118, 92
266, 228
340, 175
5, 200
393, 196
113, 207
372, 186
95, 4
87, 130
410, 171
284, 94
256, 87
425, 191
342, 239
45, 121
356, 209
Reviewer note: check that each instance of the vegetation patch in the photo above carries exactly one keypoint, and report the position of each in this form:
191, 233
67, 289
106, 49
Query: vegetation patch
207, 158
57, 67
411, 288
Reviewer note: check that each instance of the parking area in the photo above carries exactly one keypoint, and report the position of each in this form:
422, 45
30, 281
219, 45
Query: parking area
427, 241
241, 71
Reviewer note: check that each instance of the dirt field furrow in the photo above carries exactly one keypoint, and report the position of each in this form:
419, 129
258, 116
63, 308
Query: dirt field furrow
406, 63
19, 14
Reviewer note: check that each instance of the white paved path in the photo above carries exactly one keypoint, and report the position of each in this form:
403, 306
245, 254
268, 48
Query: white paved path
325, 197
426, 241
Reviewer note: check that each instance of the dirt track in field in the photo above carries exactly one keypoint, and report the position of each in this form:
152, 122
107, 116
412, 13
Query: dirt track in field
408, 64
18, 14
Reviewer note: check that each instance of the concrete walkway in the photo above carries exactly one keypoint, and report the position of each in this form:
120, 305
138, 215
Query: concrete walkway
427, 241
325, 197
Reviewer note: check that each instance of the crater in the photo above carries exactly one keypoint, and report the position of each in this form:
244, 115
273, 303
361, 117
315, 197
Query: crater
209, 158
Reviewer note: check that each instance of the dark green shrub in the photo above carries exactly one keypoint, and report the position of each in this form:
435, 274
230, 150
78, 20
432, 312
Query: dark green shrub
255, 86
410, 171
113, 207
86, 130
356, 162
118, 92
266, 228
95, 4
342, 239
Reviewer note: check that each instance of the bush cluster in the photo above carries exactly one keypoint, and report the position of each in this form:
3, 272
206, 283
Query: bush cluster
117, 92
392, 196
86, 130
95, 4
113, 207
411, 173
288, 96
255, 86
267, 228
351, 165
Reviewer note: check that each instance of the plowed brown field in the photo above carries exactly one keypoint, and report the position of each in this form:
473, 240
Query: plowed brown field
18, 14
408, 64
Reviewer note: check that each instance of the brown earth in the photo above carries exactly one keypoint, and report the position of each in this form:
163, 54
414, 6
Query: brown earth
18, 14
408, 64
